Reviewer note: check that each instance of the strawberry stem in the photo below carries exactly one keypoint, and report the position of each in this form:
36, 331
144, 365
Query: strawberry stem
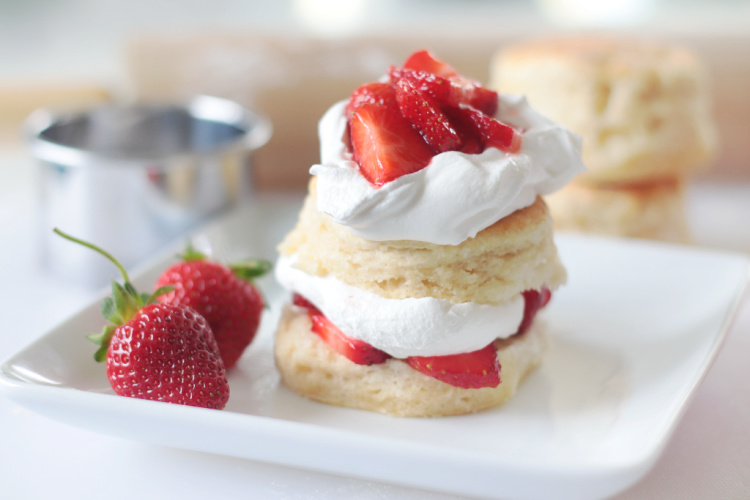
96, 249
122, 306
191, 253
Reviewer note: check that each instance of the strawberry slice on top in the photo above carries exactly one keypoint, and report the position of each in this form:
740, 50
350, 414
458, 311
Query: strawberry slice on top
493, 132
474, 95
385, 144
425, 108
463, 90
377, 93
427, 117
436, 87
423, 60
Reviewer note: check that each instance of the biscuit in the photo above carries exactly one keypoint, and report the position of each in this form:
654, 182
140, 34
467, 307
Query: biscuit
310, 368
515, 254
642, 109
650, 211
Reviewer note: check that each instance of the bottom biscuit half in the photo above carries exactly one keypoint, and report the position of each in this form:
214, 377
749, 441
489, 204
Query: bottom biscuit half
654, 211
311, 369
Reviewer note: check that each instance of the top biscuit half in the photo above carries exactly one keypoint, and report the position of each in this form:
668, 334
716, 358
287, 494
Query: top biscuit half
643, 109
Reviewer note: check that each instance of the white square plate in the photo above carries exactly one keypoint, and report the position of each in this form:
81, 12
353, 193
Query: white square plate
631, 336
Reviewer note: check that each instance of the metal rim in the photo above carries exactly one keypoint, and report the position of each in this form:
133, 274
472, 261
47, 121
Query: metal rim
257, 132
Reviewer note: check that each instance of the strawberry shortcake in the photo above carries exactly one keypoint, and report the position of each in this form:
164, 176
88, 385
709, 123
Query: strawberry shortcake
424, 250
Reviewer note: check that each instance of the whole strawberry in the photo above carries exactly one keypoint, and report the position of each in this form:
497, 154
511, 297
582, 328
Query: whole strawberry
167, 353
224, 295
161, 352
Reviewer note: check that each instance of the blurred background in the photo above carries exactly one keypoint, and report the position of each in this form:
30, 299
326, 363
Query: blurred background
290, 59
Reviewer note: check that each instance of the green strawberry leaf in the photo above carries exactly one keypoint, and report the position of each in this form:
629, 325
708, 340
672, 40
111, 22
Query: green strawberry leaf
250, 269
120, 308
191, 253
109, 311
151, 299
102, 340
100, 356
131, 291
125, 303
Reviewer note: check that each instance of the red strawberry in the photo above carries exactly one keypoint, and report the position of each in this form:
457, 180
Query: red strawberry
167, 353
299, 300
471, 141
424, 113
356, 350
471, 370
385, 145
160, 352
463, 90
533, 301
493, 132
382, 94
433, 86
423, 60
473, 94
224, 295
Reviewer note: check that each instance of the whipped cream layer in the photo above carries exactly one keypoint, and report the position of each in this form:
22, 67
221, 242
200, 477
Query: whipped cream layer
457, 194
403, 327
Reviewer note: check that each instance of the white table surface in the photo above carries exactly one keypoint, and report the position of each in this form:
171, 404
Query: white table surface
708, 457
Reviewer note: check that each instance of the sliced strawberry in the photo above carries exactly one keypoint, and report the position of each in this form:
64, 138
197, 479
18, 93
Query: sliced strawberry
382, 94
533, 301
545, 297
493, 132
474, 95
357, 351
463, 90
423, 60
434, 86
471, 370
299, 300
424, 113
472, 142
385, 145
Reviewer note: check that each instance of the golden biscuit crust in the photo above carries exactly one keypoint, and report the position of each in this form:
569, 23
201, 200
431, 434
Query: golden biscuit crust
311, 369
515, 254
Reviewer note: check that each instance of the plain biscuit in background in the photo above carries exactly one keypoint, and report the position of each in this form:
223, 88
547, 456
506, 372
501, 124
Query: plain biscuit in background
644, 111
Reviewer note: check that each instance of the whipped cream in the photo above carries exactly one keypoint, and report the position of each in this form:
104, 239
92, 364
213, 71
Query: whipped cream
403, 327
457, 194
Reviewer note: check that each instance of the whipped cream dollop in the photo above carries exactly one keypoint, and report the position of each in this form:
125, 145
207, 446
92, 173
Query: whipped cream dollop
457, 194
403, 327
